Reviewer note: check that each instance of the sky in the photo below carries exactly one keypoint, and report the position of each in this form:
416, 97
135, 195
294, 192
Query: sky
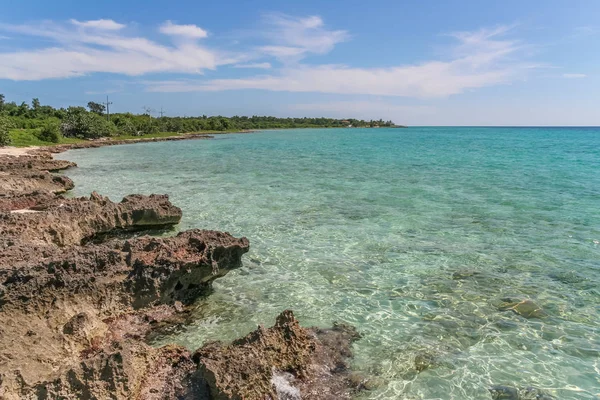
425, 62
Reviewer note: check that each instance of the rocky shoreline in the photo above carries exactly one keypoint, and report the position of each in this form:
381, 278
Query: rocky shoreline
79, 295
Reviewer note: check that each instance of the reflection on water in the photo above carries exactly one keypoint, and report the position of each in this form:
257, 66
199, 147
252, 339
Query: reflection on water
467, 257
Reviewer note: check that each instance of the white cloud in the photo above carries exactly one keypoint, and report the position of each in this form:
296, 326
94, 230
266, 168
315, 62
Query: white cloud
434, 79
77, 53
189, 31
484, 45
100, 24
480, 60
574, 76
477, 59
264, 65
294, 37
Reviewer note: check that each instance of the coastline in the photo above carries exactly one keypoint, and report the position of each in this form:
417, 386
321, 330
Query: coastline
80, 295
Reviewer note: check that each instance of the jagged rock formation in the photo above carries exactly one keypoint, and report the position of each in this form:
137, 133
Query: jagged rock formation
43, 161
66, 222
26, 181
282, 362
77, 303
74, 315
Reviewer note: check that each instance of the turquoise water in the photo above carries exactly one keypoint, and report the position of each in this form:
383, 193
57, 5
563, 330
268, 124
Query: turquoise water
413, 235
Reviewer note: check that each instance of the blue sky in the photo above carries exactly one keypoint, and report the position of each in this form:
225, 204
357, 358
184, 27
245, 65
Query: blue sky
417, 63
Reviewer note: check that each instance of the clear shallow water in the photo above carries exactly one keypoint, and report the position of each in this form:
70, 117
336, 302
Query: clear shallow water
369, 227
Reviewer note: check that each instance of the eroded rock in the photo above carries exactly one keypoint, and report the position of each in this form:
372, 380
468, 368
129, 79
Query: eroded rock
27, 181
65, 222
77, 305
87, 301
285, 361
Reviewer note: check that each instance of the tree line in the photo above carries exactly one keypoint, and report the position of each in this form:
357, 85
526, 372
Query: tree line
92, 122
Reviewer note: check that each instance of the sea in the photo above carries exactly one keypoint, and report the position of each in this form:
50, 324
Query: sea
426, 239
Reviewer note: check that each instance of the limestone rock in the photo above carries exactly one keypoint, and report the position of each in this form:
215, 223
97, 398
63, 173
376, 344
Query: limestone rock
285, 361
66, 222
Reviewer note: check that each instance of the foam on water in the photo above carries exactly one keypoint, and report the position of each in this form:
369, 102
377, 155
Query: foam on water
416, 236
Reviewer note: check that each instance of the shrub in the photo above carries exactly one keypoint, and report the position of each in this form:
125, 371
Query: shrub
49, 132
82, 124
124, 125
146, 126
5, 126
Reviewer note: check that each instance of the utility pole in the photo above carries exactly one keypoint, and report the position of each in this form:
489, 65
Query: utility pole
107, 104
161, 112
149, 110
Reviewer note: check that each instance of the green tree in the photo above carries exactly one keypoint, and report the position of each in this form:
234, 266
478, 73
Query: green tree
82, 124
35, 104
2, 100
23, 109
124, 124
96, 107
225, 124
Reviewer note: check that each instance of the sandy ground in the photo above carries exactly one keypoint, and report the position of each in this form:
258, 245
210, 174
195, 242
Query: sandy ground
16, 151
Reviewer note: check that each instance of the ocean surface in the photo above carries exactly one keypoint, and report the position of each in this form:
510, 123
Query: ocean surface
419, 237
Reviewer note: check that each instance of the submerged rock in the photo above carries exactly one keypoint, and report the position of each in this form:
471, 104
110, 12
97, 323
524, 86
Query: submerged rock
531, 393
504, 393
424, 361
464, 274
500, 392
525, 308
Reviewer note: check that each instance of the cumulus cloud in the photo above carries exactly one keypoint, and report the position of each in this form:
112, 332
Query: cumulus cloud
102, 24
189, 31
574, 76
100, 47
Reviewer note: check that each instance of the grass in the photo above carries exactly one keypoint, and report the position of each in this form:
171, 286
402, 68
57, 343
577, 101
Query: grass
27, 137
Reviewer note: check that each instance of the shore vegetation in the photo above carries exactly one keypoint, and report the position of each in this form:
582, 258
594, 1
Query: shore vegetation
34, 124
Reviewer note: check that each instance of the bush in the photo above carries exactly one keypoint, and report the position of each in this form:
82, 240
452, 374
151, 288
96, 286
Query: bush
146, 126
82, 124
124, 125
49, 132
5, 126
